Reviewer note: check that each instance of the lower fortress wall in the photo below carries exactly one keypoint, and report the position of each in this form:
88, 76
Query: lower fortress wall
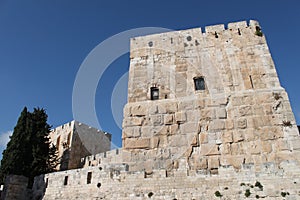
116, 181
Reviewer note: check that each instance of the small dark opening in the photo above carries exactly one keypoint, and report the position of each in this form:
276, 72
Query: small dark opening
46, 183
66, 180
150, 44
189, 38
150, 194
98, 185
216, 35
239, 31
154, 93
117, 151
251, 81
199, 83
89, 178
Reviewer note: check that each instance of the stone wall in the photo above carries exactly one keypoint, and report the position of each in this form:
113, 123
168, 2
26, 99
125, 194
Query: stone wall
235, 137
15, 188
75, 140
115, 181
242, 115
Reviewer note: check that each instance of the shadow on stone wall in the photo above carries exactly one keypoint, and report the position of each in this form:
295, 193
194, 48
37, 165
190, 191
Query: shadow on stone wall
64, 160
15, 188
39, 187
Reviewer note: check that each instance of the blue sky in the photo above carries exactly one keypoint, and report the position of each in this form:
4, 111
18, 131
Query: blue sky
43, 43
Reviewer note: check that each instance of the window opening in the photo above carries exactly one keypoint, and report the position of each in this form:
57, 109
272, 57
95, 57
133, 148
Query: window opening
199, 83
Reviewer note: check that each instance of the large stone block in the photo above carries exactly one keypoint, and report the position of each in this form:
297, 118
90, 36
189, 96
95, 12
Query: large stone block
132, 132
235, 161
295, 144
266, 146
213, 162
156, 120
245, 110
225, 148
133, 121
241, 123
227, 137
209, 149
140, 143
180, 117
203, 138
217, 125
168, 107
173, 129
139, 110
189, 128
168, 119
238, 136
221, 113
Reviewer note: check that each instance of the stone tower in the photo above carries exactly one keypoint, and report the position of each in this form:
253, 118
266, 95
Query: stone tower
206, 118
76, 140
206, 99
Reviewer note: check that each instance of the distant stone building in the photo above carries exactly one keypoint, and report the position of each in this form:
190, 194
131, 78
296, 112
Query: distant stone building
206, 118
75, 140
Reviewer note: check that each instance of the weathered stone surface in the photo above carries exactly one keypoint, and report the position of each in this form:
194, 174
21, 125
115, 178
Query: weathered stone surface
296, 144
235, 161
266, 146
156, 120
189, 128
133, 121
225, 148
217, 125
139, 110
132, 132
209, 149
141, 143
180, 117
168, 119
238, 136
203, 137
221, 113
227, 137
213, 162
245, 111
242, 123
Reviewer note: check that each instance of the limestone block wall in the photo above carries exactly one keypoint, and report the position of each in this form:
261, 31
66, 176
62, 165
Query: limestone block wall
235, 138
116, 182
108, 157
75, 140
242, 116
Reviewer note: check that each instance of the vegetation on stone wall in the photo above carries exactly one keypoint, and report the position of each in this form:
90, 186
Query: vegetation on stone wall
28, 152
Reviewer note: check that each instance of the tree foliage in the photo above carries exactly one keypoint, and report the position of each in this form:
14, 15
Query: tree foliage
29, 152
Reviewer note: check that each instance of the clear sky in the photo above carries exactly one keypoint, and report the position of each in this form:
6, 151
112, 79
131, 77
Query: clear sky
43, 44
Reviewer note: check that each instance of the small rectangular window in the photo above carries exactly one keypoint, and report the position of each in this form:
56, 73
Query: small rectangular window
89, 178
154, 93
199, 83
58, 143
46, 183
66, 180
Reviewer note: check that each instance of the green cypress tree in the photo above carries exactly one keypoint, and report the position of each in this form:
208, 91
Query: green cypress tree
40, 142
17, 151
28, 152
